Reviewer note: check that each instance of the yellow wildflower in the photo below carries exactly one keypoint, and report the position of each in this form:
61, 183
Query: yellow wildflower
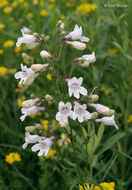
14, 4
105, 186
84, 187
2, 26
51, 6
51, 153
41, 3
62, 17
86, 8
3, 71
20, 100
8, 43
48, 76
17, 49
52, 1
20, 1
36, 114
7, 10
13, 157
35, 2
1, 51
30, 15
25, 5
43, 12
45, 123
129, 120
3, 3
107, 92
112, 50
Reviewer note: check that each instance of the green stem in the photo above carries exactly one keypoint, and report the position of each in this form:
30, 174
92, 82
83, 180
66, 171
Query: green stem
77, 164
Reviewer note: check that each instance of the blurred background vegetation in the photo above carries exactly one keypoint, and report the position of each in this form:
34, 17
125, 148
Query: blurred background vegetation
110, 33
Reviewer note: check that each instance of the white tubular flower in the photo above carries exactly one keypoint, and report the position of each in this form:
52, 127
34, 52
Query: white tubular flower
81, 113
43, 146
75, 87
30, 111
30, 139
76, 34
26, 30
87, 59
45, 54
77, 45
25, 74
100, 108
30, 102
108, 121
64, 112
39, 67
25, 39
31, 79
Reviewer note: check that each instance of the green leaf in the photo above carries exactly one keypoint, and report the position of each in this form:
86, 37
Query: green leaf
111, 141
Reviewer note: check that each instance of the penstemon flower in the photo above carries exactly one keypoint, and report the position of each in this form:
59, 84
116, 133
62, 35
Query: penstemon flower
77, 45
81, 113
108, 121
39, 67
30, 102
25, 74
26, 30
45, 54
102, 109
64, 112
30, 139
43, 146
30, 111
75, 87
25, 39
76, 34
85, 60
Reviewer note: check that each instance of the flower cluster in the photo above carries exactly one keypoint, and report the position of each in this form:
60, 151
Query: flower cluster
13, 157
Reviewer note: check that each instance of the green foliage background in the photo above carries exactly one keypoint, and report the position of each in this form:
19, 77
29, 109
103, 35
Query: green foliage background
107, 28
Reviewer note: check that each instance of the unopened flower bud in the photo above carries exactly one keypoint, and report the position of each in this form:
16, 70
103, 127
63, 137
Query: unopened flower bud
93, 97
36, 35
25, 56
63, 32
59, 22
30, 102
39, 67
77, 45
45, 54
49, 98
62, 26
63, 124
31, 129
85, 64
111, 112
94, 115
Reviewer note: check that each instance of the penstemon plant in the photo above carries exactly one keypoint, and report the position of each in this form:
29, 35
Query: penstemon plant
73, 103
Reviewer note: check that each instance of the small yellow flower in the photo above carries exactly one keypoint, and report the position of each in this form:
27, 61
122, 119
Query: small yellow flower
51, 1
51, 6
25, 5
17, 49
3, 71
7, 10
112, 50
45, 123
8, 43
106, 186
35, 115
86, 8
14, 4
107, 92
43, 12
35, 2
51, 153
13, 157
129, 120
2, 26
62, 17
3, 3
30, 15
20, 100
1, 51
48, 76
41, 3
84, 187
